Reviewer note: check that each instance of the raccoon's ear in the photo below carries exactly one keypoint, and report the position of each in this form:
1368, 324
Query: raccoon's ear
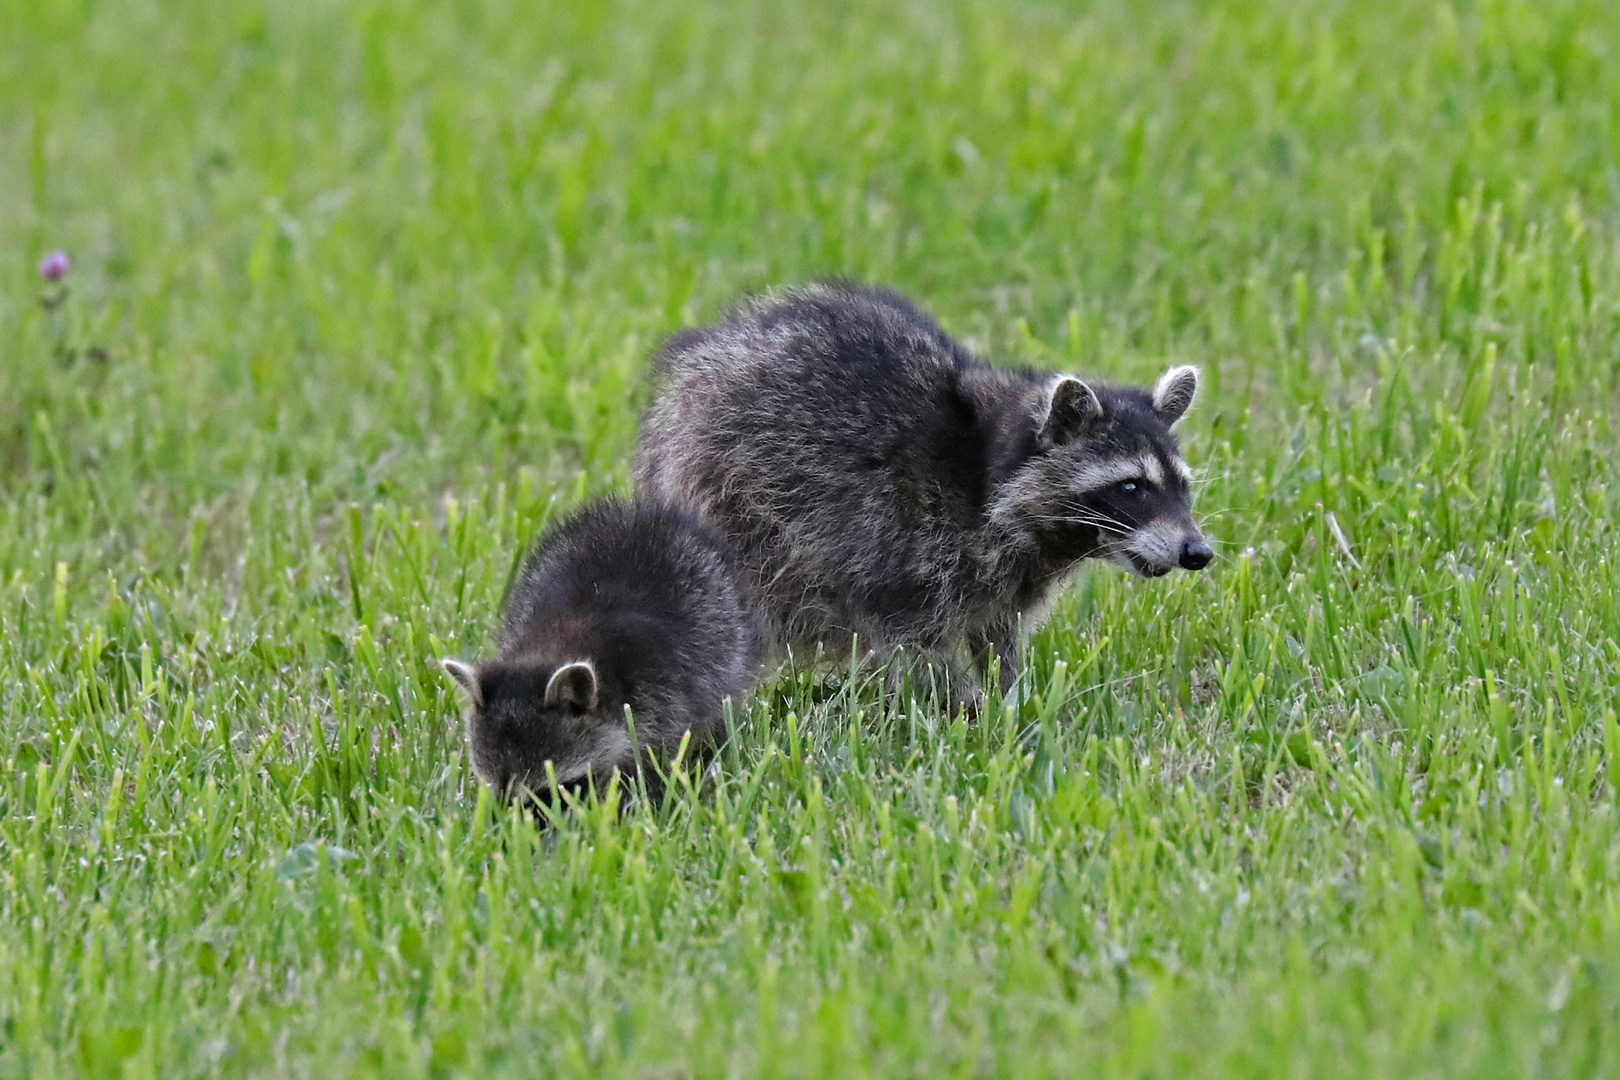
1173, 393
467, 678
574, 685
1070, 406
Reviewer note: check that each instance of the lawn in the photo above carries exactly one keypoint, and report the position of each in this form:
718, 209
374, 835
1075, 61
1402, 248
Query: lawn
362, 294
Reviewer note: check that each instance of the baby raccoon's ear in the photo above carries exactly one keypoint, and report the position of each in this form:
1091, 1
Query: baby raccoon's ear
467, 678
573, 685
1173, 393
1070, 406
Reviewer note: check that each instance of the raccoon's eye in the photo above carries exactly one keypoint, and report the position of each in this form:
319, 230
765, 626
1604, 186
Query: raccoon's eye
1130, 487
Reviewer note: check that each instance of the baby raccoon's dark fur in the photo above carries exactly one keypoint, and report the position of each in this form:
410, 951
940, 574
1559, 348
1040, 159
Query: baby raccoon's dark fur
624, 604
878, 480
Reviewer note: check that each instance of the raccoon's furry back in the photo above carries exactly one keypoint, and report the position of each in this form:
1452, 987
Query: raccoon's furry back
649, 594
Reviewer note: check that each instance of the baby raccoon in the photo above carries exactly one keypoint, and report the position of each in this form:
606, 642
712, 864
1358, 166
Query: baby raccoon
878, 480
623, 605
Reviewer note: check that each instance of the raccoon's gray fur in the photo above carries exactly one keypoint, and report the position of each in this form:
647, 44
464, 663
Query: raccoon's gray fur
623, 605
878, 480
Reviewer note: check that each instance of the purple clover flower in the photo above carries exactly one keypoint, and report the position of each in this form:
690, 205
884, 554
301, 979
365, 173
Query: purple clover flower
54, 267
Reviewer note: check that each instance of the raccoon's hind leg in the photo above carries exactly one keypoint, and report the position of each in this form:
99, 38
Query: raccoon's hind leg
1004, 641
931, 675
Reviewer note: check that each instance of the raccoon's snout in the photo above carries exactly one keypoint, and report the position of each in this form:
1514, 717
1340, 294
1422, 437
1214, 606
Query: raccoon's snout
1164, 544
1196, 553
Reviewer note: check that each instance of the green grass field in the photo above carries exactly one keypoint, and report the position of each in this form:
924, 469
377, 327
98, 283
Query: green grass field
362, 293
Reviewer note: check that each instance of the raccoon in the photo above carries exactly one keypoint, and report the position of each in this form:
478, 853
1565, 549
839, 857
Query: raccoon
624, 605
880, 481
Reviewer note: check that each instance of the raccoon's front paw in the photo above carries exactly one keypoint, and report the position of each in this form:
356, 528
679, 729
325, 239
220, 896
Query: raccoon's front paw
942, 683
969, 699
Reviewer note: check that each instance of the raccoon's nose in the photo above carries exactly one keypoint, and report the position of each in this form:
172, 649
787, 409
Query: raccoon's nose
1196, 553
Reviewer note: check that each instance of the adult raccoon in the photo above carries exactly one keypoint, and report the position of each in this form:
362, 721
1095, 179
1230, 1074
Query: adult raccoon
623, 605
878, 480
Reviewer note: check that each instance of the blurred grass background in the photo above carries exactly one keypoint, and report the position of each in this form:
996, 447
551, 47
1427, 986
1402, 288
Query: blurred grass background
361, 293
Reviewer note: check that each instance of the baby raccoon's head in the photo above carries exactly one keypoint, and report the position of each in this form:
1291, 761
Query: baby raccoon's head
525, 715
1106, 479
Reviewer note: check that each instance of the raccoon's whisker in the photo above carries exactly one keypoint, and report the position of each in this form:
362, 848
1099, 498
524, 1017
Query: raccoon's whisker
1093, 513
1106, 526
1117, 528
1088, 515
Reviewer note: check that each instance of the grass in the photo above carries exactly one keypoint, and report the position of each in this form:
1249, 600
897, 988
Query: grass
362, 294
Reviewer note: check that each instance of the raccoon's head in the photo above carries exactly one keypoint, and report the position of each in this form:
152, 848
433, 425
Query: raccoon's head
524, 715
1106, 478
